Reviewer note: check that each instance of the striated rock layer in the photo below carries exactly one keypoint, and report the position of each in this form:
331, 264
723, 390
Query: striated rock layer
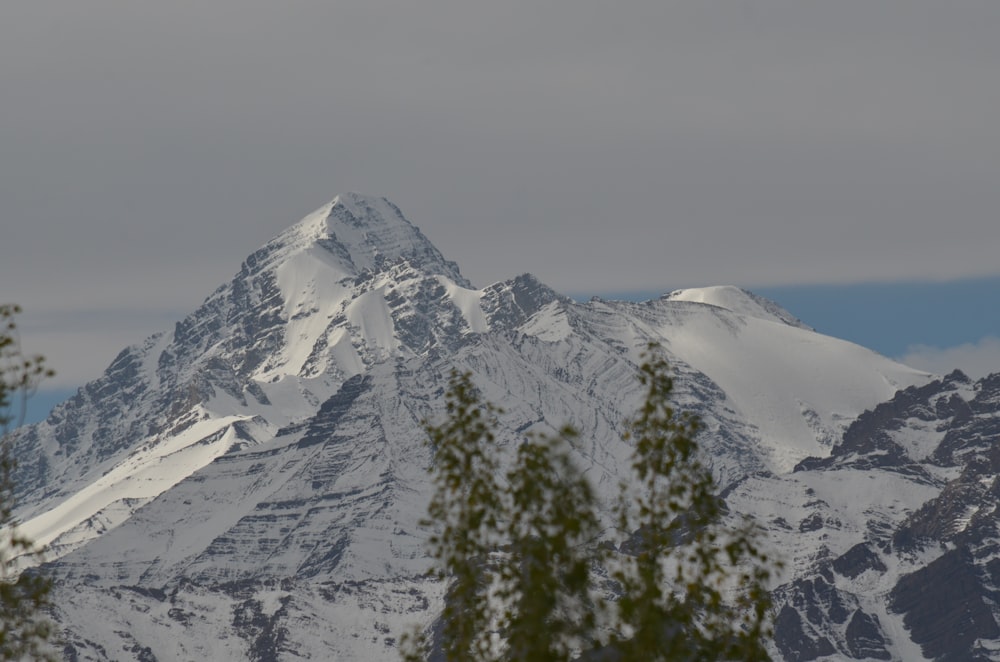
249, 484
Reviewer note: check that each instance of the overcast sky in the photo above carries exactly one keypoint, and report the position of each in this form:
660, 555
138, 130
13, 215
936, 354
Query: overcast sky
146, 148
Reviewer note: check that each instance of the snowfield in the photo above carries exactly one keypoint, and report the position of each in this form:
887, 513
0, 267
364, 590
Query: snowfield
250, 484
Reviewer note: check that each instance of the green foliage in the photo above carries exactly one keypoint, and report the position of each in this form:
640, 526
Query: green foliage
673, 588
525, 544
24, 631
545, 570
466, 506
521, 555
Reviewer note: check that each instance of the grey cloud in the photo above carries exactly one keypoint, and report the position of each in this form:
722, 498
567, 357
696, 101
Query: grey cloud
977, 359
148, 147
79, 345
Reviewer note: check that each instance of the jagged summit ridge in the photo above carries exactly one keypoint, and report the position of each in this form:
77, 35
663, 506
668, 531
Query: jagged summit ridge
356, 233
349, 286
354, 285
313, 298
250, 485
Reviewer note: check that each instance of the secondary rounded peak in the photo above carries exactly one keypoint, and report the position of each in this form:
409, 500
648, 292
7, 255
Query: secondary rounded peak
738, 300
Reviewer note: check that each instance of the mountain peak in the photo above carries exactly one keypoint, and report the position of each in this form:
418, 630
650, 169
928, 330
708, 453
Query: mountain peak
257, 476
363, 207
362, 233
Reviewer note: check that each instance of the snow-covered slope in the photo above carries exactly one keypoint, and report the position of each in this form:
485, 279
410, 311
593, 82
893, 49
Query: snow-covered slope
798, 388
320, 303
249, 484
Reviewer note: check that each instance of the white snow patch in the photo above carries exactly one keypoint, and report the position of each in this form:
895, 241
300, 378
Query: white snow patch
310, 286
468, 303
370, 313
852, 491
270, 601
919, 438
143, 475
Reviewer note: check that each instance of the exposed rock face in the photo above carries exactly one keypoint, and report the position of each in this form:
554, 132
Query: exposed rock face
864, 637
794, 642
250, 484
858, 559
934, 552
944, 607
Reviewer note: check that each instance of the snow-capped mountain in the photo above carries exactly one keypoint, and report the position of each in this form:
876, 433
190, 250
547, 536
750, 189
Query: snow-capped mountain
249, 484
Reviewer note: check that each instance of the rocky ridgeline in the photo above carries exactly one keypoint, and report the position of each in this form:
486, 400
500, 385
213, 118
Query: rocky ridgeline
250, 484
